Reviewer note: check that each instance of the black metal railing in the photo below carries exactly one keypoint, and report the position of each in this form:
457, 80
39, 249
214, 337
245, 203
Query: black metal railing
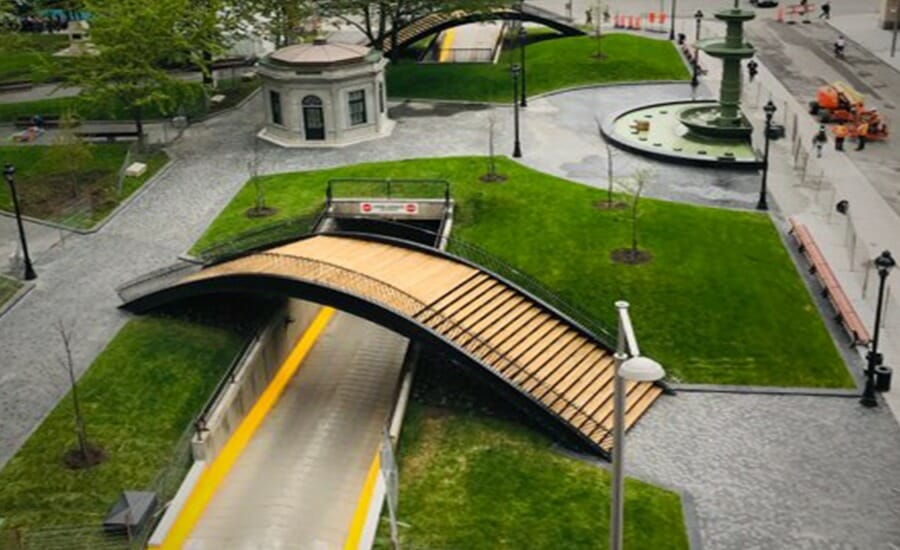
390, 188
155, 280
261, 237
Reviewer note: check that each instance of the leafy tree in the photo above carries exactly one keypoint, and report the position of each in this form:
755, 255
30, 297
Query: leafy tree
379, 21
134, 40
70, 152
282, 22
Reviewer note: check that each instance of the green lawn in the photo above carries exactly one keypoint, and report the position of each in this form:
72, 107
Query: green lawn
46, 193
29, 56
551, 65
138, 397
8, 288
721, 302
474, 482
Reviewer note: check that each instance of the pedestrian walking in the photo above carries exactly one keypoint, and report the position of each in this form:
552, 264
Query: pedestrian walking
819, 140
752, 69
862, 135
588, 16
840, 134
826, 10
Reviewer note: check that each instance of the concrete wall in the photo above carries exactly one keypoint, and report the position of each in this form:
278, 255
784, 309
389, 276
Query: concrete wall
886, 13
253, 376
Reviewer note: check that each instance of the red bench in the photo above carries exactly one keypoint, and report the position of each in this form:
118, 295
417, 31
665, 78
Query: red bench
831, 289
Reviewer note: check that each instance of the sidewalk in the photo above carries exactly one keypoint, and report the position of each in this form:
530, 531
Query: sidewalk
864, 30
807, 188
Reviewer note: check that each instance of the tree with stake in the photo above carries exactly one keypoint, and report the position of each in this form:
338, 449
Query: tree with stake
69, 152
85, 455
259, 208
492, 175
633, 255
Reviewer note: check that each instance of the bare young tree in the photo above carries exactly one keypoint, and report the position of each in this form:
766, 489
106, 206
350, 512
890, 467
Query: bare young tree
65, 334
639, 180
260, 208
610, 165
492, 175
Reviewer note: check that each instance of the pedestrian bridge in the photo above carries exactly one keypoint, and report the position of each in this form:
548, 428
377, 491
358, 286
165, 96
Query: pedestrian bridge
529, 352
417, 29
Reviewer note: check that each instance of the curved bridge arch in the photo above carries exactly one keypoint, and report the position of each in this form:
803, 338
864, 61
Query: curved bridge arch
434, 23
529, 353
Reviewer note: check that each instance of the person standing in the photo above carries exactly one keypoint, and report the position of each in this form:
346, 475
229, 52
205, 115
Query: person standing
862, 134
826, 10
819, 140
588, 16
840, 134
752, 69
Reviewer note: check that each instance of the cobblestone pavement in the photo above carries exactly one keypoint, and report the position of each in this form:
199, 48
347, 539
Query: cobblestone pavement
776, 472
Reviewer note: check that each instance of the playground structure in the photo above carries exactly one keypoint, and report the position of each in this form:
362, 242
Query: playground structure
841, 103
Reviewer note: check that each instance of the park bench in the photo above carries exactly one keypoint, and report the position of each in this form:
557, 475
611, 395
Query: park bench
831, 288
15, 85
50, 121
109, 135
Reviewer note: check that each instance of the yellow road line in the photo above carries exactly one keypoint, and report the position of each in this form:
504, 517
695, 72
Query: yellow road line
212, 477
362, 506
449, 37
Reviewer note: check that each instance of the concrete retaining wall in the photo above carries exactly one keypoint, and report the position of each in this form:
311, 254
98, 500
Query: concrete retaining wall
260, 364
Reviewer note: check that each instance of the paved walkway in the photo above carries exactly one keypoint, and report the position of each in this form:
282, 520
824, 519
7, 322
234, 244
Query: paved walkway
864, 29
298, 482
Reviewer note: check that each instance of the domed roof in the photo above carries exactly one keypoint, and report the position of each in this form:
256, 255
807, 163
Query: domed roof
320, 52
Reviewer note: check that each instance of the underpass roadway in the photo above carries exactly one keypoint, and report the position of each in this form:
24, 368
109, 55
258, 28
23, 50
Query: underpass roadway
298, 482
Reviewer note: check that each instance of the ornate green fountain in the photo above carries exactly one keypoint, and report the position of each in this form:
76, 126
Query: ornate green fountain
701, 132
724, 120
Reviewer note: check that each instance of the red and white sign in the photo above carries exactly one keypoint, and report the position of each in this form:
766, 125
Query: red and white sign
407, 208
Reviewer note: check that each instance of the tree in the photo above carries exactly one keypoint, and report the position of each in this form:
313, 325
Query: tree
492, 174
69, 152
134, 40
282, 22
639, 179
85, 455
379, 21
259, 208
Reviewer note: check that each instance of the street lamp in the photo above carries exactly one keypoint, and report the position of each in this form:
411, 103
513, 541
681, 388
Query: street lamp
10, 171
515, 70
672, 18
770, 112
523, 36
631, 366
884, 263
698, 17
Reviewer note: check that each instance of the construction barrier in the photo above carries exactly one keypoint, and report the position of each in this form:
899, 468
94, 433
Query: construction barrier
652, 22
794, 12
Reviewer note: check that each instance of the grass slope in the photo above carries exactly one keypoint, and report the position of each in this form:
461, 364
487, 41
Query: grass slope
721, 302
551, 65
475, 482
44, 191
138, 398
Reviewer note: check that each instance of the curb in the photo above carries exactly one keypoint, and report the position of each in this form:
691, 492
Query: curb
764, 390
16, 298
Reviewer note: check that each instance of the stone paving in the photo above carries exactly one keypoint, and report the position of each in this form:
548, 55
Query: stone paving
776, 472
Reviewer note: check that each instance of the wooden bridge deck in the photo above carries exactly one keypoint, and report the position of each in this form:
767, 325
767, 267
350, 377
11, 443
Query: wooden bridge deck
532, 348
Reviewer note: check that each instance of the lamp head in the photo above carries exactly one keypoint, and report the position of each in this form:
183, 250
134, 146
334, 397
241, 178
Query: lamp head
699, 15
885, 262
843, 206
770, 109
641, 369
516, 69
9, 171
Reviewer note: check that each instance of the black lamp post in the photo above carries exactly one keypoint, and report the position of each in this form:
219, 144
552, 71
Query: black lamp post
884, 263
515, 70
695, 80
9, 171
770, 112
523, 36
672, 18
